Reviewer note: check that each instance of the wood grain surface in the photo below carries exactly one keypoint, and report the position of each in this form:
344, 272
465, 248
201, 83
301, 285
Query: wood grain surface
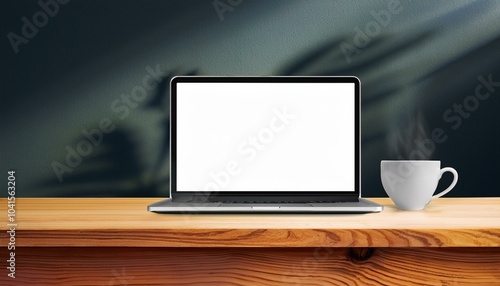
254, 266
446, 222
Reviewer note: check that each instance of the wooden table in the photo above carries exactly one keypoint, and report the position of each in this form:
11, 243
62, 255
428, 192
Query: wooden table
117, 242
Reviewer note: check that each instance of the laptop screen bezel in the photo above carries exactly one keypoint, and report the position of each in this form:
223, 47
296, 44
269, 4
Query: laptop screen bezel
264, 196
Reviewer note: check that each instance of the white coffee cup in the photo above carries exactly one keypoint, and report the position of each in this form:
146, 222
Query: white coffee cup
411, 184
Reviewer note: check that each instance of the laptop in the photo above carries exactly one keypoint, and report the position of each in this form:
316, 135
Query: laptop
265, 145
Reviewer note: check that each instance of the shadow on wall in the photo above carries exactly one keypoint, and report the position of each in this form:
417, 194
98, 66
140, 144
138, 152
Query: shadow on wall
114, 167
402, 107
116, 170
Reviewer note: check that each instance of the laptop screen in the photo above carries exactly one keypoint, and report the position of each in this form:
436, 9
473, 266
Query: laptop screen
265, 136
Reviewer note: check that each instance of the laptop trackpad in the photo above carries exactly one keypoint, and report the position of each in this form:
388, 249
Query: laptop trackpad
266, 208
280, 206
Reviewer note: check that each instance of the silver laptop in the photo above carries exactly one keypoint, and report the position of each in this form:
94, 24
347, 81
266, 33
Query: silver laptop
265, 144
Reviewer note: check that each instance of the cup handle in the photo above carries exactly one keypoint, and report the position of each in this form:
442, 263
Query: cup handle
455, 180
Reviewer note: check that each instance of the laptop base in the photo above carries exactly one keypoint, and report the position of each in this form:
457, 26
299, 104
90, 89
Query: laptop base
168, 206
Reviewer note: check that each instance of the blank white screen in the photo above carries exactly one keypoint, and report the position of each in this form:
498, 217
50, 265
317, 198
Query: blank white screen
265, 137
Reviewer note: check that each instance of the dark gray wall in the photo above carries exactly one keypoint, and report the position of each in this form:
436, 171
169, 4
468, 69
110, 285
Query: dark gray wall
420, 63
